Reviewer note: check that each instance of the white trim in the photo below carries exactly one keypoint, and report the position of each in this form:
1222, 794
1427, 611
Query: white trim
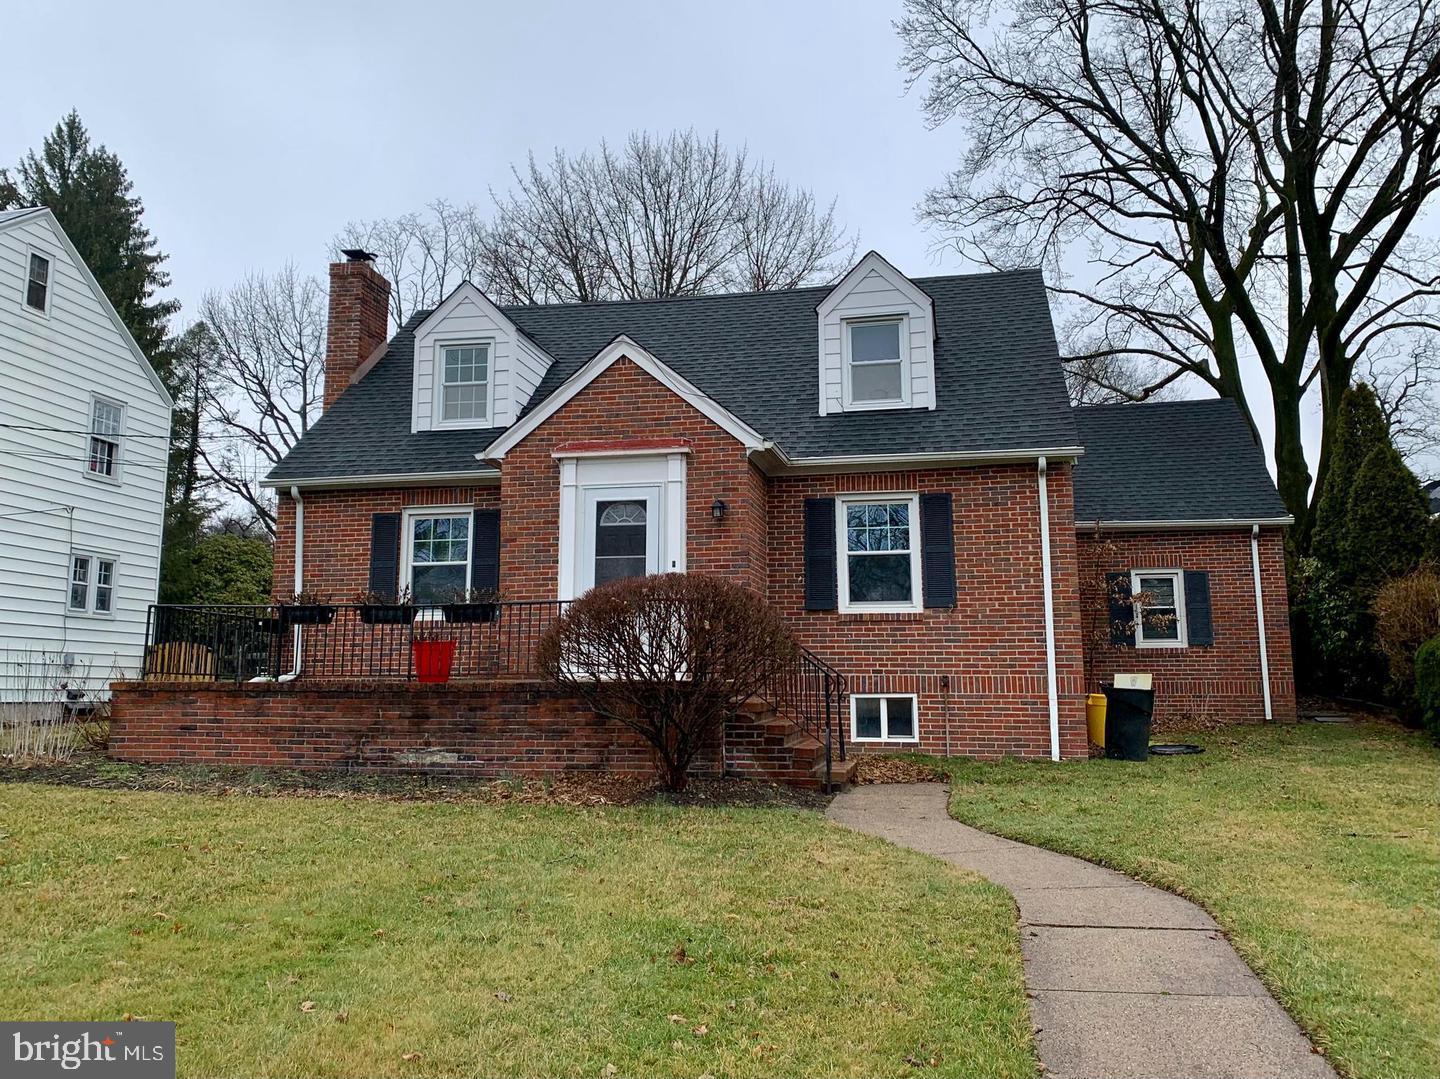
397, 479
104, 301
116, 477
624, 347
900, 320
1260, 622
1212, 523
1052, 681
407, 540
1182, 639
873, 260
883, 698
843, 553
438, 384
30, 252
465, 290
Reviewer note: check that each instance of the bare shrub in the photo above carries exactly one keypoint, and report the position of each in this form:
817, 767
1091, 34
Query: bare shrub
670, 656
1407, 614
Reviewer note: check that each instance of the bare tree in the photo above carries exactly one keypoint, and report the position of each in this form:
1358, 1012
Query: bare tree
267, 384
1243, 178
659, 216
1406, 381
424, 256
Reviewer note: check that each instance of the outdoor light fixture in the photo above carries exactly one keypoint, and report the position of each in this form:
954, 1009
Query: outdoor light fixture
717, 510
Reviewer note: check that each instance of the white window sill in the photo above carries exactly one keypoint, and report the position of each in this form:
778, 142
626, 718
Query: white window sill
856, 739
1173, 645
881, 608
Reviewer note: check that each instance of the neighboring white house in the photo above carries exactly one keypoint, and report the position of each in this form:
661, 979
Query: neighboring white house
84, 428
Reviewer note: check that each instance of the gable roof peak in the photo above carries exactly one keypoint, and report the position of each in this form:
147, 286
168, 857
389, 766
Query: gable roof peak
873, 262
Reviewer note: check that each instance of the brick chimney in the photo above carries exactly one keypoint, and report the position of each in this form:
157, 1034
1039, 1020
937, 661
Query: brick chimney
359, 317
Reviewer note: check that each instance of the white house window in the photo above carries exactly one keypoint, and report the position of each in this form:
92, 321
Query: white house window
464, 394
1159, 597
37, 283
438, 556
875, 371
92, 584
883, 718
106, 421
879, 553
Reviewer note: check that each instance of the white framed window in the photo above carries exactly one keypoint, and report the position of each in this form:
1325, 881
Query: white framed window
884, 717
91, 584
37, 282
877, 362
1159, 598
465, 383
436, 552
879, 556
107, 427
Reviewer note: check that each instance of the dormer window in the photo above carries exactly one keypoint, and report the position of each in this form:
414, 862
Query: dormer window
465, 393
877, 342
876, 362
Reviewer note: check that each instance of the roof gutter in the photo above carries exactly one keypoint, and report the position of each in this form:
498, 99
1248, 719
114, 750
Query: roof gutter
787, 465
1214, 523
385, 479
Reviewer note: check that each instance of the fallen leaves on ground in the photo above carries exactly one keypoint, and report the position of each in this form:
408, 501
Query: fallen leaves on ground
895, 770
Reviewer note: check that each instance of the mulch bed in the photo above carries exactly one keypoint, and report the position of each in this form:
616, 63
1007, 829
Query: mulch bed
870, 769
93, 770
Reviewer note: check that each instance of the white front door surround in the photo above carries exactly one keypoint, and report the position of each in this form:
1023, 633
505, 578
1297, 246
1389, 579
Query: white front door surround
604, 499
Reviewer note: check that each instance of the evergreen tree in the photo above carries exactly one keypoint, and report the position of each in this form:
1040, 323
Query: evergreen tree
187, 508
1359, 430
1386, 525
91, 195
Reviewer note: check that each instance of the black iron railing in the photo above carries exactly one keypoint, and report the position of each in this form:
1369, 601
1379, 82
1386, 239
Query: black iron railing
341, 641
814, 696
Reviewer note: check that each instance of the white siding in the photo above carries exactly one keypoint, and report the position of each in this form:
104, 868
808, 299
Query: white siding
50, 367
516, 365
875, 290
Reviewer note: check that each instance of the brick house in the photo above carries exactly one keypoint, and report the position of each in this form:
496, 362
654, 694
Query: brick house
892, 463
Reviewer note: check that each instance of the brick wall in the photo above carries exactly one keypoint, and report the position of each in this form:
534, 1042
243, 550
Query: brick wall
623, 403
337, 532
1219, 682
495, 729
978, 669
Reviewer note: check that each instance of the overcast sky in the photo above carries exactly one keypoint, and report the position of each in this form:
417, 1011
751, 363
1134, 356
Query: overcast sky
255, 131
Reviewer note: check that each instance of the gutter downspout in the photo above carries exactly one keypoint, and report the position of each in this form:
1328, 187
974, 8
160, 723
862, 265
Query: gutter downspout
297, 647
1260, 621
1052, 683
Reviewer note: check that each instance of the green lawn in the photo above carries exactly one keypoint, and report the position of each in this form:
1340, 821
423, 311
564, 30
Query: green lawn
1317, 848
356, 936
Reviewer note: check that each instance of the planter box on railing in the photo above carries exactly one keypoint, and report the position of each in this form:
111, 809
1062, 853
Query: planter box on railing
387, 614
306, 614
470, 612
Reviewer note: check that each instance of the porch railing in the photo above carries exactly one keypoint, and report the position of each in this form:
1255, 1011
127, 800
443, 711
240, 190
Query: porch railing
813, 695
339, 641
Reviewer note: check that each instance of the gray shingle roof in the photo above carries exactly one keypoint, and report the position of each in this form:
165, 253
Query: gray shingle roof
1171, 461
997, 367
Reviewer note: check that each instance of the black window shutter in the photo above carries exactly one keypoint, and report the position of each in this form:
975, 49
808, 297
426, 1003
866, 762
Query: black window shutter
1199, 626
937, 550
485, 551
820, 564
1122, 608
385, 554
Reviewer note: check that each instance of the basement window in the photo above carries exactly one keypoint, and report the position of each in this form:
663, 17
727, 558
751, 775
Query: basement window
883, 718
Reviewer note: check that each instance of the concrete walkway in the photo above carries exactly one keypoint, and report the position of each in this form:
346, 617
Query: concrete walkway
1125, 981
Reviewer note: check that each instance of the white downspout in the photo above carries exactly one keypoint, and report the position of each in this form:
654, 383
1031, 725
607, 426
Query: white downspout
1051, 679
297, 636
1260, 620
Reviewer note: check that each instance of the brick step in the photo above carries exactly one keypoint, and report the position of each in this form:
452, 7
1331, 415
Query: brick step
842, 773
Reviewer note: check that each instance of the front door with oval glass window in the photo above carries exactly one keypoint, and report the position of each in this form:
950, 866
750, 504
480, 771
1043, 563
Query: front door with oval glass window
622, 534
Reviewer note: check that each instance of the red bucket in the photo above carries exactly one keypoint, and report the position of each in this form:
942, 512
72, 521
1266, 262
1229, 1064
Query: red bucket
433, 660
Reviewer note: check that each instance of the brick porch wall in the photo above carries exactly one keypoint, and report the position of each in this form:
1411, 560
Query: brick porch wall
480, 729
978, 669
1222, 681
